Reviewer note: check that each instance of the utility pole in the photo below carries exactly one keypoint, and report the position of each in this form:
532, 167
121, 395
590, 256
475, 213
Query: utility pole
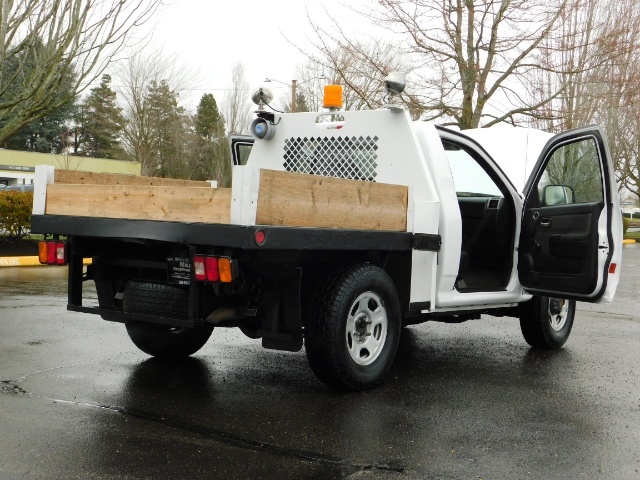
293, 95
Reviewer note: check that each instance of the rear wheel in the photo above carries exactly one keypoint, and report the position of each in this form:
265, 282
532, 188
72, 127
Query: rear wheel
546, 322
353, 328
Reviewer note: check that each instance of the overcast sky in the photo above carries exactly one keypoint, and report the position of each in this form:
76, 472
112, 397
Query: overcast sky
210, 36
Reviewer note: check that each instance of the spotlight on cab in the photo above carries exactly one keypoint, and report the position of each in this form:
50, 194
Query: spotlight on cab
261, 97
262, 129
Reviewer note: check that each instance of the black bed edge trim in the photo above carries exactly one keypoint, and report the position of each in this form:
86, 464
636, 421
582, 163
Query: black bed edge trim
427, 242
233, 236
419, 306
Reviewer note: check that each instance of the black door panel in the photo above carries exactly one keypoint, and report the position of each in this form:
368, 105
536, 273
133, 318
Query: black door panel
561, 250
568, 197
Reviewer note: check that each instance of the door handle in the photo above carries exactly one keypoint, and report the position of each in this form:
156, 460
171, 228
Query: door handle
545, 223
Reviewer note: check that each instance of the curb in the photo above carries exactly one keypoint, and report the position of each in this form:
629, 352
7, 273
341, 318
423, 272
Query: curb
628, 241
27, 262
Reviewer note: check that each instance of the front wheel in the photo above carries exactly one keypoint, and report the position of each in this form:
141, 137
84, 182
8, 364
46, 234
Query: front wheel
546, 322
353, 328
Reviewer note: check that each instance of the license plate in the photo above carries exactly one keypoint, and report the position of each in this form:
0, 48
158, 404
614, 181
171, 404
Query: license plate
178, 271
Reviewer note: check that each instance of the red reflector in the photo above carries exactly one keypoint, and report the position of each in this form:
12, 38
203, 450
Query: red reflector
612, 268
211, 264
199, 270
260, 237
51, 253
61, 253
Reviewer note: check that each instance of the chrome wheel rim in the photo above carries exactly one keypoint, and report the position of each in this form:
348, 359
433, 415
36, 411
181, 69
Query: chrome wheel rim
366, 329
558, 313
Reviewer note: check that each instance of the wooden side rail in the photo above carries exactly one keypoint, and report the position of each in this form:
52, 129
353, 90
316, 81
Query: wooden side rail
83, 178
283, 199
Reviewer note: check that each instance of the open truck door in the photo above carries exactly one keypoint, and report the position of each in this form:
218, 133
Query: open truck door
571, 235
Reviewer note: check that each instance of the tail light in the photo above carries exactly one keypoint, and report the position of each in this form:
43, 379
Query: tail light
61, 253
224, 269
199, 269
213, 269
42, 252
52, 253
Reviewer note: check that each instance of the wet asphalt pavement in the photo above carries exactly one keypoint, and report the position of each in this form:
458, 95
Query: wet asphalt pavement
470, 401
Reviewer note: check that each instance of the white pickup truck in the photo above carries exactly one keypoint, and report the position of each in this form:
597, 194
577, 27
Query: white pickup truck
341, 228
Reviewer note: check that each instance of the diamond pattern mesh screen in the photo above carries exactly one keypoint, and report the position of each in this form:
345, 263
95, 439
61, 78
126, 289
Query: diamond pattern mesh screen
341, 157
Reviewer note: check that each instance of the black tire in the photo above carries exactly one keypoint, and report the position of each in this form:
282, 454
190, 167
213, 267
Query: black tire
167, 342
352, 328
251, 329
161, 340
546, 322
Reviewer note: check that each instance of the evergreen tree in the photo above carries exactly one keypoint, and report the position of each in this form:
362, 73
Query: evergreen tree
167, 123
212, 159
101, 123
209, 122
301, 103
50, 134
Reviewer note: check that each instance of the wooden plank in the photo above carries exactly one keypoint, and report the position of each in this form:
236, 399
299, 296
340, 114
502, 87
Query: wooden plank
183, 204
79, 177
301, 200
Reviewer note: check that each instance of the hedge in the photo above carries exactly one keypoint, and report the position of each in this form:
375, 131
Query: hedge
625, 225
15, 213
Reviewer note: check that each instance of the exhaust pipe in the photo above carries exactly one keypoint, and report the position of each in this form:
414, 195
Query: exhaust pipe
221, 315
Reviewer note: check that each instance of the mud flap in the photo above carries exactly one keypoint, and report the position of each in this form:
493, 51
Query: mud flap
282, 320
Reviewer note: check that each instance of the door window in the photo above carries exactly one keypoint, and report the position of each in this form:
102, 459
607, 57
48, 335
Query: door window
469, 178
243, 151
572, 175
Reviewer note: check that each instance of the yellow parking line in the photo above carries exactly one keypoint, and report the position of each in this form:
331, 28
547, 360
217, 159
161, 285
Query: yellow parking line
27, 261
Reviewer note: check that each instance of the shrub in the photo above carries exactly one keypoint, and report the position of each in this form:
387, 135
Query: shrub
15, 213
625, 225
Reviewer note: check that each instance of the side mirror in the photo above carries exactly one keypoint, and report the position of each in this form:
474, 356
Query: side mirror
557, 195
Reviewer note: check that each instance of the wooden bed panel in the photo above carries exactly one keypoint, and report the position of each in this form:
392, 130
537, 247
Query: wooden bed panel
183, 204
296, 199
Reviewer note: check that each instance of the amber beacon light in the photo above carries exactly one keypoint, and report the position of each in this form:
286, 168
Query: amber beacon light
332, 96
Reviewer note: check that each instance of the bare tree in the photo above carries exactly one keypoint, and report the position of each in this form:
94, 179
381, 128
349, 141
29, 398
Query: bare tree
357, 65
143, 71
236, 104
44, 43
572, 64
600, 49
468, 59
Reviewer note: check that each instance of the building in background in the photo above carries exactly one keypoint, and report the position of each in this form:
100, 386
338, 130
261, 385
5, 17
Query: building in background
18, 168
